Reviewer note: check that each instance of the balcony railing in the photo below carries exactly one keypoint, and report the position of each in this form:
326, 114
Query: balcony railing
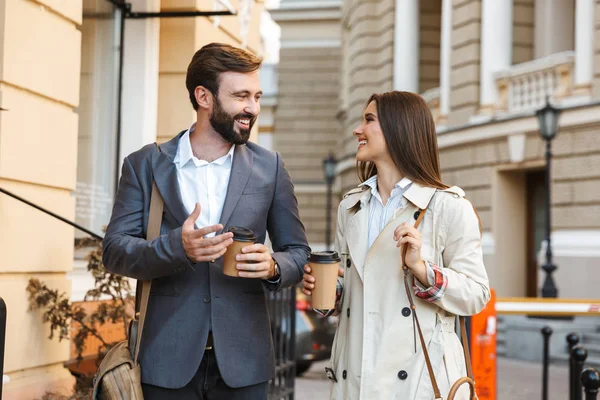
524, 87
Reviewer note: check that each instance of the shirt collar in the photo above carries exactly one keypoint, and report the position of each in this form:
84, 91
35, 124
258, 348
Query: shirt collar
185, 153
372, 183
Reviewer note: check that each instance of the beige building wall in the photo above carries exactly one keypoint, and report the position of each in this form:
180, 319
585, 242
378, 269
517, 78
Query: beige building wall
180, 38
497, 186
368, 54
306, 129
430, 31
465, 60
38, 160
523, 31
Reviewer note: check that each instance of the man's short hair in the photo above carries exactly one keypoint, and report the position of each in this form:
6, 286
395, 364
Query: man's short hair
213, 59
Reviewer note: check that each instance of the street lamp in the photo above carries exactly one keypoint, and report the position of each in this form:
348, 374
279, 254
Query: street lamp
548, 124
329, 165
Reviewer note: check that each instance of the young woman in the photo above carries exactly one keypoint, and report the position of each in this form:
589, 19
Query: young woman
377, 353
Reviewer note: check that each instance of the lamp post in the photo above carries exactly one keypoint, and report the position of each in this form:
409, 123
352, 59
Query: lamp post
548, 124
329, 165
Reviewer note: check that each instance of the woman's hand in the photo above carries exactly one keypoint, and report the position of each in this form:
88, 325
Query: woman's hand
407, 235
309, 281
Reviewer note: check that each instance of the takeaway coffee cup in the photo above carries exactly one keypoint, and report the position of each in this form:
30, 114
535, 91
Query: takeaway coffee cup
324, 267
242, 237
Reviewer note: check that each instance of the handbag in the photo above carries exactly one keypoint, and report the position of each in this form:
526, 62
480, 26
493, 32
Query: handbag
461, 381
119, 375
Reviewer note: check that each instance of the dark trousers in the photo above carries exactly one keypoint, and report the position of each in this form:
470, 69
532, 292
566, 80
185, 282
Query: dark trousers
207, 384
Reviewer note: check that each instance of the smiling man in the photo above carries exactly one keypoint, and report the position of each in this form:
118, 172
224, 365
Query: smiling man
207, 334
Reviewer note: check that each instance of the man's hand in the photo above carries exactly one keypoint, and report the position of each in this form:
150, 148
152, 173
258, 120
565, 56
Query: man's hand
198, 249
262, 266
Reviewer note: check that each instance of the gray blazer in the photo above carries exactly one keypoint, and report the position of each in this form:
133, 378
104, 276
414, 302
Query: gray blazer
187, 300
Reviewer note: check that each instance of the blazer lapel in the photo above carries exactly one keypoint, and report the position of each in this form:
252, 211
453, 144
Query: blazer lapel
240, 172
164, 173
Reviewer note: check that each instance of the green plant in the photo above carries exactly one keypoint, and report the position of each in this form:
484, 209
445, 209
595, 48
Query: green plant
63, 316
61, 313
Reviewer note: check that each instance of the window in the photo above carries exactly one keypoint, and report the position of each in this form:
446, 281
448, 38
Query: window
96, 159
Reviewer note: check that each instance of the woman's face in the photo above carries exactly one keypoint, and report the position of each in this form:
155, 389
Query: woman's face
371, 142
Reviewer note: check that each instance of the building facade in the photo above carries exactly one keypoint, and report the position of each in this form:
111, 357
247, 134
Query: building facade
78, 100
305, 127
484, 67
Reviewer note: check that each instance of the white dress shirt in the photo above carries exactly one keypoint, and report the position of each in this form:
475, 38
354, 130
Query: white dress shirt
202, 182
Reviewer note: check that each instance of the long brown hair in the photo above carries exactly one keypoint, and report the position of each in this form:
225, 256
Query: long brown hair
409, 132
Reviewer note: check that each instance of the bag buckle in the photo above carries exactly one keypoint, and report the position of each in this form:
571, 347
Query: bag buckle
330, 374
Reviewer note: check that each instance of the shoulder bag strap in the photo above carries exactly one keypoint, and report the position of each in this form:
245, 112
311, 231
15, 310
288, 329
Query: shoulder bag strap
465, 344
154, 222
436, 389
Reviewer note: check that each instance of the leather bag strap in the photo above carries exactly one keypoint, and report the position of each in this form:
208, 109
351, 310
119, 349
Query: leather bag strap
463, 329
465, 343
436, 389
154, 223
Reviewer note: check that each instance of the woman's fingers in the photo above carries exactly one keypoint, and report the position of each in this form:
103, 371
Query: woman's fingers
403, 230
411, 241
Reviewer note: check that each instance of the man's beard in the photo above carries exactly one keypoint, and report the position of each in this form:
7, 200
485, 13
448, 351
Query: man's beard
224, 124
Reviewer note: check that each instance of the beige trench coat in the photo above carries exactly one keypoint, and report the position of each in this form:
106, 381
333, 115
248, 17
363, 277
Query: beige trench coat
375, 355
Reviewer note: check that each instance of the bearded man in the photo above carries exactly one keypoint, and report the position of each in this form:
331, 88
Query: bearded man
206, 334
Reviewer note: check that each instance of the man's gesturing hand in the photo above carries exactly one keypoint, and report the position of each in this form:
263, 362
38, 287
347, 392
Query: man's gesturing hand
196, 247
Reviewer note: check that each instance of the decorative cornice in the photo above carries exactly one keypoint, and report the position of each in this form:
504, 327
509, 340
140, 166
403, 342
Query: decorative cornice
308, 11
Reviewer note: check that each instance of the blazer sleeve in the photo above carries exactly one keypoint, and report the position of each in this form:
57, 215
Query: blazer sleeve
286, 231
468, 289
125, 250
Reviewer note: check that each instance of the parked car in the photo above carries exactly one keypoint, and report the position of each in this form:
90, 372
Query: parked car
314, 334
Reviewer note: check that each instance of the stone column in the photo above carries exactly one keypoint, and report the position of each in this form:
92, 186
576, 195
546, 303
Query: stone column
496, 48
445, 61
584, 44
406, 46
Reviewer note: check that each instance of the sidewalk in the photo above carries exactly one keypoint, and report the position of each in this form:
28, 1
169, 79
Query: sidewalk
517, 380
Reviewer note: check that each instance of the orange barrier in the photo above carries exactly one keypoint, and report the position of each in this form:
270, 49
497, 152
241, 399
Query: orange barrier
483, 350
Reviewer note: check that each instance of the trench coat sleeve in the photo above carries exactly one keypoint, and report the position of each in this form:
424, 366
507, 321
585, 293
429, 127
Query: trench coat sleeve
468, 289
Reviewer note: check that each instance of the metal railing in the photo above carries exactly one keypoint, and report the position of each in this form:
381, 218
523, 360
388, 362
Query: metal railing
282, 313
580, 380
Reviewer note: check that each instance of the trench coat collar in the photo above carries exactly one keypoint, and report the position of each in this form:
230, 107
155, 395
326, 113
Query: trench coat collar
417, 194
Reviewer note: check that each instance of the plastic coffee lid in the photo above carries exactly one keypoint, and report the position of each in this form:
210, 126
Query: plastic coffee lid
325, 257
242, 234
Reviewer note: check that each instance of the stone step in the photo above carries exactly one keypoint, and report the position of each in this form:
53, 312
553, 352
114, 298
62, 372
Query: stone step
591, 338
591, 361
500, 349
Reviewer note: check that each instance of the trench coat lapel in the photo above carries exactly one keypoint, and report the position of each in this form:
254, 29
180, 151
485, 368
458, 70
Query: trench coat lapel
164, 173
357, 233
